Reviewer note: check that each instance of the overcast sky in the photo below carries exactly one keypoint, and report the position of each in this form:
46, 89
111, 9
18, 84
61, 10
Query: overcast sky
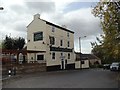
75, 14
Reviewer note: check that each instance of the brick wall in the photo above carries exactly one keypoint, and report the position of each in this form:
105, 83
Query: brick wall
24, 68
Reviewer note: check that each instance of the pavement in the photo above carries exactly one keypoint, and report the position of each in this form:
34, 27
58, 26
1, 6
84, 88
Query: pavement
87, 78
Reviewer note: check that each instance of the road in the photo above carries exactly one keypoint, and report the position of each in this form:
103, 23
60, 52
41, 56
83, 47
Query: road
87, 78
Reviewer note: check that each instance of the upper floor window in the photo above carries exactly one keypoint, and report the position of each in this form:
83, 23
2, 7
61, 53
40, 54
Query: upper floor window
38, 36
52, 40
61, 42
68, 44
53, 29
82, 62
68, 34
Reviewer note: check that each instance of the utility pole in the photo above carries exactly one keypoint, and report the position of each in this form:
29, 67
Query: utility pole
80, 50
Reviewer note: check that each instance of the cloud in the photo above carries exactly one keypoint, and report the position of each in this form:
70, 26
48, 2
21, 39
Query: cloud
81, 21
16, 17
42, 7
20, 27
19, 8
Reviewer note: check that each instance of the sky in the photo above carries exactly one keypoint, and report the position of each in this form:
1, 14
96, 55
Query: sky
75, 14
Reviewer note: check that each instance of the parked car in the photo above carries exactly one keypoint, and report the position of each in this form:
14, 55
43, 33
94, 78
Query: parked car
115, 66
106, 66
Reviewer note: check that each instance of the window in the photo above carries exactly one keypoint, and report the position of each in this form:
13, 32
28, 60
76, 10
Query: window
40, 57
68, 44
53, 55
82, 62
68, 55
38, 36
61, 42
53, 29
52, 40
68, 34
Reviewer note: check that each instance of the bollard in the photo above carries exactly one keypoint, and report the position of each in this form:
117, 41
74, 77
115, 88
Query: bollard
9, 72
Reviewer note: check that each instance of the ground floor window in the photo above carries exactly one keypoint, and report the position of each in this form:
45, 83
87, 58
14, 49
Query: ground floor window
82, 62
40, 57
68, 55
53, 55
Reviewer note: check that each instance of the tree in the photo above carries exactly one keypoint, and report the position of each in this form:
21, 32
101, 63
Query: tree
109, 13
7, 43
20, 43
13, 43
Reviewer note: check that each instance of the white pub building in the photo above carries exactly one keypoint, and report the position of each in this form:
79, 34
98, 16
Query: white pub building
52, 44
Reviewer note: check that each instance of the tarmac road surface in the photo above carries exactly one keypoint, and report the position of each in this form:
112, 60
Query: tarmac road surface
87, 78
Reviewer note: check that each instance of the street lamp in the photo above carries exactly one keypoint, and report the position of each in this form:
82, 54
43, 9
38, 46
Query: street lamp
80, 49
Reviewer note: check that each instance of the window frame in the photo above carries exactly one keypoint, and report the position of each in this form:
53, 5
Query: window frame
68, 34
82, 62
68, 43
53, 55
39, 38
53, 29
52, 42
68, 55
40, 59
61, 42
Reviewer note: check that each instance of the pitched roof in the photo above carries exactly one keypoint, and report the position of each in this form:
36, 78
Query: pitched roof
49, 23
57, 26
20, 51
86, 56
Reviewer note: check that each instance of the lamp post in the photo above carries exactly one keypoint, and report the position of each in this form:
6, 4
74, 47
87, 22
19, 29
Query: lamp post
80, 49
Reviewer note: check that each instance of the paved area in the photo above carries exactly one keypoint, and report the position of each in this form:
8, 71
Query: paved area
88, 78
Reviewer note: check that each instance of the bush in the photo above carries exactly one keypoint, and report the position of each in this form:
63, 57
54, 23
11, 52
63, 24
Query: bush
92, 66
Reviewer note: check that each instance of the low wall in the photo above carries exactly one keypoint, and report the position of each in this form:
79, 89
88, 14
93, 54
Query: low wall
24, 68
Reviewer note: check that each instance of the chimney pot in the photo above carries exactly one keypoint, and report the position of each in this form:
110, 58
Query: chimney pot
37, 16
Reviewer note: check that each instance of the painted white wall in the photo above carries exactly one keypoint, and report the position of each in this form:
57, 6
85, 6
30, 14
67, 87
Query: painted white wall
40, 25
36, 26
77, 64
86, 64
31, 57
59, 34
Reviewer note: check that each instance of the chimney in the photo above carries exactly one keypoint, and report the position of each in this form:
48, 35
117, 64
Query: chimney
36, 16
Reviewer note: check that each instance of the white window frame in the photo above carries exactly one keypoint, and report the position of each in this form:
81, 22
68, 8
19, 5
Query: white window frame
40, 38
68, 55
38, 59
54, 40
68, 44
68, 34
53, 29
61, 43
52, 56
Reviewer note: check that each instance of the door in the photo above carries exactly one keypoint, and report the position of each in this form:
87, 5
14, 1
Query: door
62, 65
65, 64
